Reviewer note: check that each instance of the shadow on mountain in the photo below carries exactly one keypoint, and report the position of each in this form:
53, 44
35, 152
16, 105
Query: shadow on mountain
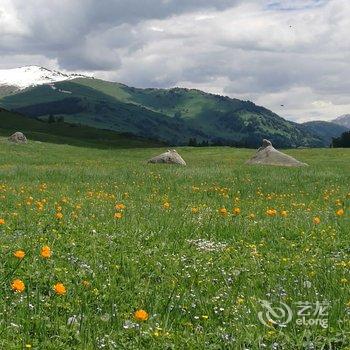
68, 133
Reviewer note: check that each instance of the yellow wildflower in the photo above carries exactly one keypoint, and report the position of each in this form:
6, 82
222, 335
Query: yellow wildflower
45, 252
19, 254
316, 220
141, 315
60, 289
18, 285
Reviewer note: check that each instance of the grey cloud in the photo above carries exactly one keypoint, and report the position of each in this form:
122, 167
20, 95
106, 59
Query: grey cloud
292, 5
272, 52
64, 29
132, 11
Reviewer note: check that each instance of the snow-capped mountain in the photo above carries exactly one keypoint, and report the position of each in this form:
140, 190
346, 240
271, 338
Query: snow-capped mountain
343, 120
27, 76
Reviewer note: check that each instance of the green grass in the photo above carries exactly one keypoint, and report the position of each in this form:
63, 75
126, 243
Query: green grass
196, 299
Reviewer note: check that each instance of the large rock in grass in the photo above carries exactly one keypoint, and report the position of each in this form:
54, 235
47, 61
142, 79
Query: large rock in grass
268, 155
18, 137
169, 157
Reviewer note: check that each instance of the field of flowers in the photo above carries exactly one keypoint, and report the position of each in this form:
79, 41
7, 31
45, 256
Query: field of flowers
100, 250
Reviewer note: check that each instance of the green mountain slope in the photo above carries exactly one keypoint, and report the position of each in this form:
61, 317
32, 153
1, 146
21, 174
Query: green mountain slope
6, 90
61, 132
325, 130
170, 115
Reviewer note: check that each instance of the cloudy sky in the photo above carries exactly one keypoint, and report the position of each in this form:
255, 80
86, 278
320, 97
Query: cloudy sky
291, 56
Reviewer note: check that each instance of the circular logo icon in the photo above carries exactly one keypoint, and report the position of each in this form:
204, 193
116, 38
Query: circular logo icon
279, 315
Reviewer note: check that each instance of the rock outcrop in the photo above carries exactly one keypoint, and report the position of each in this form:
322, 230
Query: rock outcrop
18, 137
169, 157
268, 155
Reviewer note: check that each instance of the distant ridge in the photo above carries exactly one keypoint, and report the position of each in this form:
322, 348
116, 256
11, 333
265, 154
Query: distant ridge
325, 130
343, 120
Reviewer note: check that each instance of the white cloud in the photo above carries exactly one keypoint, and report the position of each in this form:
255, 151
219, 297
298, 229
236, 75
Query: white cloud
10, 23
290, 56
322, 104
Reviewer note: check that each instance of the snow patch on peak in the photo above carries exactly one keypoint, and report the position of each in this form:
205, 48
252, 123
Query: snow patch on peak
27, 76
343, 120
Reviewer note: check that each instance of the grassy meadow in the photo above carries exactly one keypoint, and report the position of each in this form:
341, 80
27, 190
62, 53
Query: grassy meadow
89, 236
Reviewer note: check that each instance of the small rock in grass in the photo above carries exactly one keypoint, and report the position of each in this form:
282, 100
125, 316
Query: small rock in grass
18, 137
169, 157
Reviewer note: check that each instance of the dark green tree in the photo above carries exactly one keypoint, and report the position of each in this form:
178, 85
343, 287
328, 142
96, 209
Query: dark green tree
342, 141
51, 119
177, 115
192, 142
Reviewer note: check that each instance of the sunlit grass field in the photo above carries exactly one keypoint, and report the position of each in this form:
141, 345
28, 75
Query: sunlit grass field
88, 237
